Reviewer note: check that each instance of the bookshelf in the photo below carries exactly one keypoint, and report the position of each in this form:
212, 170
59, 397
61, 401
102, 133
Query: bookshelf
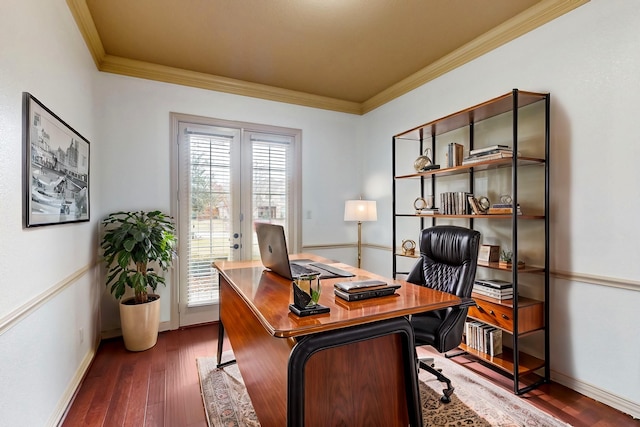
519, 120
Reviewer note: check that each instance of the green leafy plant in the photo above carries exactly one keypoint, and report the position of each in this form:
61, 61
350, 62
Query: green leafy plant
131, 241
506, 256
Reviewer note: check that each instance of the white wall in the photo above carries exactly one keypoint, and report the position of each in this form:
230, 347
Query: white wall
589, 60
135, 147
47, 286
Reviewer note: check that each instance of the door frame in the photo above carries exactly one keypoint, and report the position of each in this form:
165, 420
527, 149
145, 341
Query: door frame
295, 223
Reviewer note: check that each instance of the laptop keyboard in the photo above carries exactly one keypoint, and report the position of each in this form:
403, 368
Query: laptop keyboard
326, 271
299, 270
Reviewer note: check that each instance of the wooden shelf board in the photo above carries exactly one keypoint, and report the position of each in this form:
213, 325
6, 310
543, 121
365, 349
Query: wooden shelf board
526, 269
504, 361
492, 265
487, 164
472, 216
491, 108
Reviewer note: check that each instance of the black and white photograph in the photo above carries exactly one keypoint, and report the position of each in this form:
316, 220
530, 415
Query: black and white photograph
56, 163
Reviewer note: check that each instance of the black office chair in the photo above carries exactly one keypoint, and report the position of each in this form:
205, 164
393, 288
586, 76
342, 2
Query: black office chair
448, 261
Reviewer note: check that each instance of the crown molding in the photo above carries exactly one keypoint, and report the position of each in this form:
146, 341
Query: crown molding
524, 22
88, 29
530, 19
145, 70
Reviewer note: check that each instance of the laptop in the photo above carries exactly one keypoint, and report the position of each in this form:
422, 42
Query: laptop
275, 257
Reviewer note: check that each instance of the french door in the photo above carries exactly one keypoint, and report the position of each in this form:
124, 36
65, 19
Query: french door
228, 176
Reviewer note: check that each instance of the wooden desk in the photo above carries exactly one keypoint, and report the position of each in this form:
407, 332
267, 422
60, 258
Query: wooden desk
352, 366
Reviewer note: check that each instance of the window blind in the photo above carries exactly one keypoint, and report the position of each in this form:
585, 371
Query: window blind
208, 212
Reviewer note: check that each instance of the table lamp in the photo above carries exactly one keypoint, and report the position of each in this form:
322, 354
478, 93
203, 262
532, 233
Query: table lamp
360, 210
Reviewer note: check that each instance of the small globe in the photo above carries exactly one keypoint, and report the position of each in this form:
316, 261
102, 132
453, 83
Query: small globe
421, 163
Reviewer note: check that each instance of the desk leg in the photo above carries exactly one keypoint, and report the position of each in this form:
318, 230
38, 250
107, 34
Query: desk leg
220, 343
362, 375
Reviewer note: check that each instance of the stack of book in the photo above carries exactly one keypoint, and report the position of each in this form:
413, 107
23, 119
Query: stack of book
483, 337
503, 208
427, 211
492, 152
454, 203
356, 290
493, 288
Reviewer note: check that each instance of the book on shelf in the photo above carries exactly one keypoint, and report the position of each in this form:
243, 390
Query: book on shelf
499, 295
494, 288
455, 153
483, 337
475, 206
494, 283
501, 154
503, 210
427, 211
488, 150
455, 203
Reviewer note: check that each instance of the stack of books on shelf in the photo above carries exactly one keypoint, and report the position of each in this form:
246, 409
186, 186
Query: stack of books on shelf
427, 211
493, 288
492, 152
484, 338
454, 203
503, 209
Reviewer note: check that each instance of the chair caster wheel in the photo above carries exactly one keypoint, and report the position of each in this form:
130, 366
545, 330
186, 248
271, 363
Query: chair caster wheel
446, 395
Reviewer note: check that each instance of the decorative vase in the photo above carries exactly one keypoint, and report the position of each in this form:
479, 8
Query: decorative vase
140, 323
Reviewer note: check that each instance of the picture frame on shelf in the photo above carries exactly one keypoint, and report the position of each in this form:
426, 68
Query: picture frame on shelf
55, 168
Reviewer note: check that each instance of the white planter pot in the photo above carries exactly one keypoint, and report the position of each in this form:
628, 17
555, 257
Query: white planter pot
140, 324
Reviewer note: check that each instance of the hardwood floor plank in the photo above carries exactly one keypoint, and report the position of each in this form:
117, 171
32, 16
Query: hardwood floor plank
110, 394
139, 395
118, 406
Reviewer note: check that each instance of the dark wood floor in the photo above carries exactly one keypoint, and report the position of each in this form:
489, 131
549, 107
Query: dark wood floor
159, 387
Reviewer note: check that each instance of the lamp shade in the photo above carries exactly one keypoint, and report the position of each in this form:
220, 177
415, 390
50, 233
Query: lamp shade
360, 210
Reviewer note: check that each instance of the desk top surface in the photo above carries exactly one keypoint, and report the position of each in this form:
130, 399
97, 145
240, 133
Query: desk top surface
269, 295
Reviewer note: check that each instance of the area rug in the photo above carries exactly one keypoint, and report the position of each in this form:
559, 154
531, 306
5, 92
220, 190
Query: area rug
475, 402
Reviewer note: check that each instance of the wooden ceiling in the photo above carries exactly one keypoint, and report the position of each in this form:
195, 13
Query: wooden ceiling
344, 55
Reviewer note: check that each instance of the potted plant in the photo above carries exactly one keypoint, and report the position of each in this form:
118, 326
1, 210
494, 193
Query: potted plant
506, 259
133, 244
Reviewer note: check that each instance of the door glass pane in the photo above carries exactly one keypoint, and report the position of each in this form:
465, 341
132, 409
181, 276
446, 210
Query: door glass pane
270, 198
209, 214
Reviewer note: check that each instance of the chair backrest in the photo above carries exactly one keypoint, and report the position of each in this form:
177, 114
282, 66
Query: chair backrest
448, 259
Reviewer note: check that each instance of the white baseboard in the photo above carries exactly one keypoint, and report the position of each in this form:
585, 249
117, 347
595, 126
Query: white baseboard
65, 400
114, 333
610, 399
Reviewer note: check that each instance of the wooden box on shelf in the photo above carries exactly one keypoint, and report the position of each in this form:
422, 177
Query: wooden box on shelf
488, 253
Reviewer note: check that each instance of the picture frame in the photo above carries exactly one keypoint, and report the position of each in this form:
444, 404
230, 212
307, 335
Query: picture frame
55, 168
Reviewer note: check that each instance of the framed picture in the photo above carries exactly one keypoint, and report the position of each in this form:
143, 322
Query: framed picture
56, 168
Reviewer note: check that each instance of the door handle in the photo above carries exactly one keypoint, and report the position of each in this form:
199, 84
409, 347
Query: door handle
236, 246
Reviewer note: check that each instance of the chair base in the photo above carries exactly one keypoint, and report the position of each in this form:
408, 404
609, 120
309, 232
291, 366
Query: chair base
427, 365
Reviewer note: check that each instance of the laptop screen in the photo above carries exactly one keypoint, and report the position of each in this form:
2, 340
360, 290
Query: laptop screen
273, 248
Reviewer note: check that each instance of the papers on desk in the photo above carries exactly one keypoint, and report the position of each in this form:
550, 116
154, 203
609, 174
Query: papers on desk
356, 290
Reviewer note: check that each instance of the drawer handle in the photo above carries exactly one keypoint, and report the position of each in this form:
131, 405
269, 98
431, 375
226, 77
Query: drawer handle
491, 312
504, 316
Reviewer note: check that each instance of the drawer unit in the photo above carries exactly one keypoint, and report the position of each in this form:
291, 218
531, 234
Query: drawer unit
500, 313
